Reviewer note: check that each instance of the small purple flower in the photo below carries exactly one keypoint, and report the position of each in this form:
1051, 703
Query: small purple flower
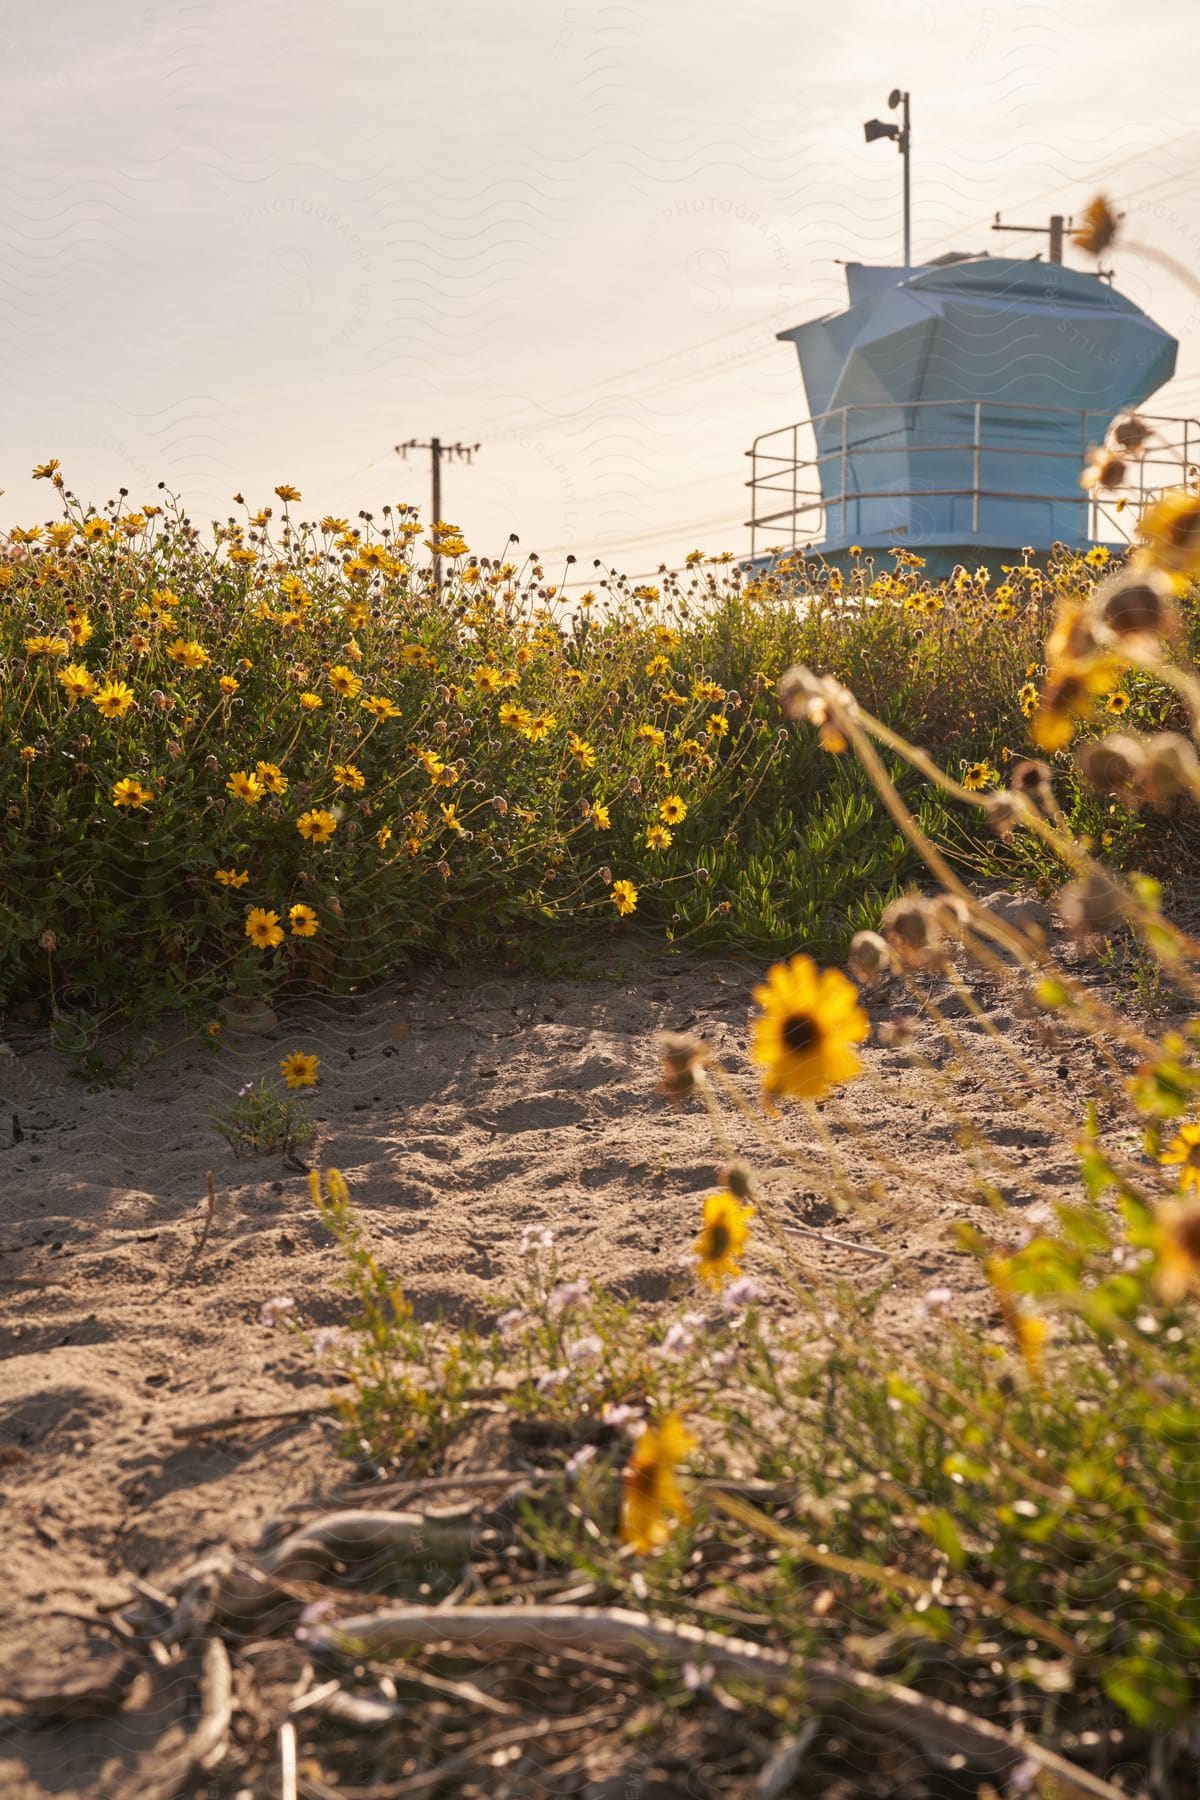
742, 1292
696, 1678
274, 1310
583, 1348
308, 1626
937, 1299
508, 1321
246, 1088
569, 1293
551, 1379
678, 1340
582, 1457
328, 1338
535, 1237
720, 1359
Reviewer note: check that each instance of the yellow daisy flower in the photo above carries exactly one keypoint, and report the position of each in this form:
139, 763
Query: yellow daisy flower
128, 792
810, 1020
1183, 1153
245, 787
299, 1068
659, 838
231, 878
650, 1493
263, 928
624, 897
723, 1238
303, 921
318, 826
673, 810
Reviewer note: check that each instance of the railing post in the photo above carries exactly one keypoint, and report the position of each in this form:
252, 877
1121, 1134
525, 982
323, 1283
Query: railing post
795, 473
1089, 498
845, 446
975, 490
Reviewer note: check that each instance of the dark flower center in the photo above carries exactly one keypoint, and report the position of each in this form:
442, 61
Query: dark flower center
800, 1033
718, 1242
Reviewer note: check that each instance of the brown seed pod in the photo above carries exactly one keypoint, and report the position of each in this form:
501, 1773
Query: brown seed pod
910, 928
1171, 769
1091, 906
682, 1060
1103, 470
1113, 764
1129, 433
1032, 778
869, 957
1003, 811
1137, 605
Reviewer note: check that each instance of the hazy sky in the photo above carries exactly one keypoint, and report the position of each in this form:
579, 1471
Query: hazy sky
259, 242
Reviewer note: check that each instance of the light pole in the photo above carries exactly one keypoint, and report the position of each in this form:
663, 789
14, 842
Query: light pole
902, 134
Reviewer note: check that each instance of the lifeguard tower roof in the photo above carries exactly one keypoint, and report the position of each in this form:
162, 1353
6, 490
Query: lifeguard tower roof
952, 406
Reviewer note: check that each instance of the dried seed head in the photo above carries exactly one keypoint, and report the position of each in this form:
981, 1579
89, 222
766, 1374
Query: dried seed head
1103, 469
1003, 811
1113, 764
1098, 228
683, 1061
1137, 603
1129, 433
894, 1034
735, 1176
952, 913
869, 958
1171, 769
911, 929
1091, 906
1032, 778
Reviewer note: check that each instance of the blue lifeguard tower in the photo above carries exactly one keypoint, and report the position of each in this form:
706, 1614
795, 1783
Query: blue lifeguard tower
952, 405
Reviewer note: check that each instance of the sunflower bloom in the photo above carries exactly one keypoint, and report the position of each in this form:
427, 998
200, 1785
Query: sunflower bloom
349, 775
245, 787
723, 1239
1176, 1243
650, 1493
624, 897
287, 492
659, 838
344, 681
303, 921
232, 878
1183, 1153
1170, 530
188, 653
263, 928
810, 1020
977, 776
673, 810
318, 826
380, 707
114, 699
310, 702
128, 792
600, 818
78, 681
299, 1068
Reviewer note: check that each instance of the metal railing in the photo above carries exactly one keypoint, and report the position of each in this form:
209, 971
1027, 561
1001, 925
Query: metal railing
780, 473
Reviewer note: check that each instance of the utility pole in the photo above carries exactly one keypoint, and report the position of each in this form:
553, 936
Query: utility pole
1056, 230
436, 449
901, 135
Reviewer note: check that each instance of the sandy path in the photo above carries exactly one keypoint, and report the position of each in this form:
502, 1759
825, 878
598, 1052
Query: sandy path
461, 1108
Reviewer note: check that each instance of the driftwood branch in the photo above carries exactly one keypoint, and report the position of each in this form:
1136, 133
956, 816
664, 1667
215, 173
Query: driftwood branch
205, 1743
937, 1727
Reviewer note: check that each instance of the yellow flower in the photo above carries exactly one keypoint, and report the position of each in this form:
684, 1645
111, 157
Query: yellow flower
673, 810
380, 707
310, 702
659, 838
95, 529
344, 681
229, 684
128, 792
1027, 699
723, 1239
263, 928
299, 1068
600, 818
1170, 530
1183, 1152
658, 665
349, 775
286, 492
1176, 1242
707, 690
80, 627
44, 471
1069, 694
78, 681
650, 734
513, 715
303, 921
540, 726
624, 897
811, 1017
486, 680
977, 776
114, 699
383, 836
230, 878
28, 753
43, 645
582, 751
1117, 703
1097, 557
248, 788
717, 725
272, 777
317, 826
650, 1492
452, 820
188, 653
